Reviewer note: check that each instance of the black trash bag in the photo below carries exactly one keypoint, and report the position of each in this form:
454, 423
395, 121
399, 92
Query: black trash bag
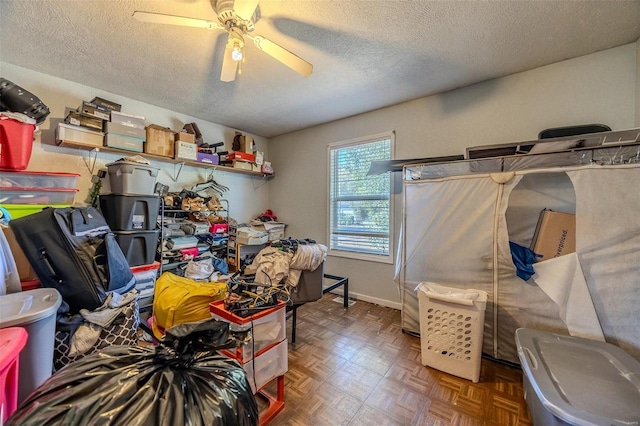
182, 381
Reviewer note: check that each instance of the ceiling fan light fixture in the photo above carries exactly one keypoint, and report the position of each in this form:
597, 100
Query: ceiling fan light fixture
236, 53
237, 18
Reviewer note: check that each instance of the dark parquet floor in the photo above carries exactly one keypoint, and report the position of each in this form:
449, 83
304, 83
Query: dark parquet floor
355, 367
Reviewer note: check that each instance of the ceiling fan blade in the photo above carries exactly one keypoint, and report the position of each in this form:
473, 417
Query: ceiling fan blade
159, 18
291, 60
245, 8
229, 65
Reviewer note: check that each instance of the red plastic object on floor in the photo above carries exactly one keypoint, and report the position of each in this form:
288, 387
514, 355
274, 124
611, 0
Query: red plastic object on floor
30, 285
12, 341
16, 142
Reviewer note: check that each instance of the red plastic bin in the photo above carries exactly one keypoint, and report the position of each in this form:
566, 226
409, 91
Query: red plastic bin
16, 143
12, 341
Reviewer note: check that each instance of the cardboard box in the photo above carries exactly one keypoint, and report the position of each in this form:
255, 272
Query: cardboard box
186, 150
91, 122
110, 105
79, 135
92, 109
243, 165
129, 120
207, 158
247, 145
129, 143
555, 234
243, 156
121, 129
160, 141
186, 137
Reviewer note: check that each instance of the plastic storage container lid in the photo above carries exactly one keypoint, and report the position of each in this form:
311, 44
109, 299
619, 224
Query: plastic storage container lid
26, 307
580, 381
133, 163
12, 341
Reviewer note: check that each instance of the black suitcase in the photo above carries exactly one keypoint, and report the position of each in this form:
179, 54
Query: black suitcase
74, 251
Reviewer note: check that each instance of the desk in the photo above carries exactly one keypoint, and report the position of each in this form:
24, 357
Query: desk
339, 281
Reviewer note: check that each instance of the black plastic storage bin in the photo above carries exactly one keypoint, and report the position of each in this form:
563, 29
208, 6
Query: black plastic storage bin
127, 212
139, 247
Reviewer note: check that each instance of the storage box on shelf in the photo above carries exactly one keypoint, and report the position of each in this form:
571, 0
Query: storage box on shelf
90, 122
124, 142
129, 120
124, 130
203, 160
185, 137
186, 150
160, 141
206, 158
95, 110
78, 135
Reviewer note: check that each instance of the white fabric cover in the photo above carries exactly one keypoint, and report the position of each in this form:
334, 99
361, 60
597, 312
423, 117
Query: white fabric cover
456, 232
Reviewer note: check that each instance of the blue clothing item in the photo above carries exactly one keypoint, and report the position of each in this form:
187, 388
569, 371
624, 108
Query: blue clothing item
5, 216
523, 259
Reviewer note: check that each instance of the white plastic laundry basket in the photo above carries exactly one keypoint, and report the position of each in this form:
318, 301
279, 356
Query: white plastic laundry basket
451, 327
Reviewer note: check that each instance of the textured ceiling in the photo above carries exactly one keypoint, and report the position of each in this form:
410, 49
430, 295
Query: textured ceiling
366, 54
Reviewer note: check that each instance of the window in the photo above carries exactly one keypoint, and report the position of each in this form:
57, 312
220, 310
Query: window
360, 210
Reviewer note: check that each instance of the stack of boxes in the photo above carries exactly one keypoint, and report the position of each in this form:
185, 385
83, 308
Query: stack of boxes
125, 131
131, 211
185, 147
100, 122
85, 125
23, 193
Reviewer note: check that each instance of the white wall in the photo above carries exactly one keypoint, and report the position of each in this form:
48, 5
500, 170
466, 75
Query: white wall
248, 195
598, 88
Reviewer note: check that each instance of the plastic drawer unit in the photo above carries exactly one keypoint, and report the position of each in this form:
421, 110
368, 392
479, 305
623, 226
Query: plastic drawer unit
268, 328
267, 366
574, 381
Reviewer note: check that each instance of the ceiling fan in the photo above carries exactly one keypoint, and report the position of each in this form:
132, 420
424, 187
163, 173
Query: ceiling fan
238, 19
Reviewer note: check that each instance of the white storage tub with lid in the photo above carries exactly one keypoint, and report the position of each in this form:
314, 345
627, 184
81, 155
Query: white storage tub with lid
575, 381
35, 310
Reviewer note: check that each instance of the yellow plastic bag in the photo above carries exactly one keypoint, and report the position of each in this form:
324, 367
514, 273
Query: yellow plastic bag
177, 300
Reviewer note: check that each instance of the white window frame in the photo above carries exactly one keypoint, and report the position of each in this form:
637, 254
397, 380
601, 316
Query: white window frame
381, 258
